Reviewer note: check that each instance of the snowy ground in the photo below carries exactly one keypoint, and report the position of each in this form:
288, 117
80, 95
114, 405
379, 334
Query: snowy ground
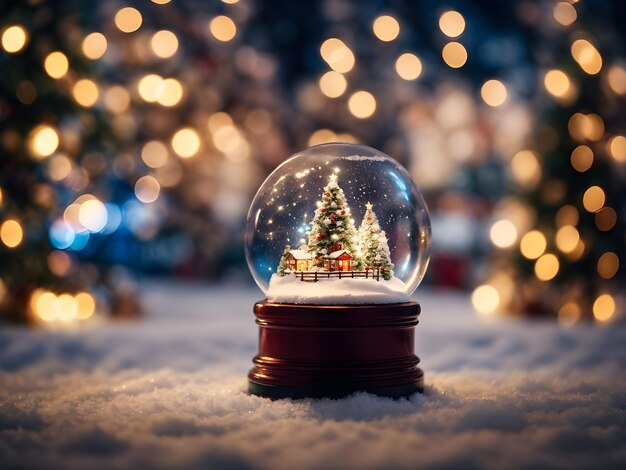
168, 392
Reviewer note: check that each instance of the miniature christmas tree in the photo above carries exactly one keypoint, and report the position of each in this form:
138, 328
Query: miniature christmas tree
332, 225
284, 262
373, 244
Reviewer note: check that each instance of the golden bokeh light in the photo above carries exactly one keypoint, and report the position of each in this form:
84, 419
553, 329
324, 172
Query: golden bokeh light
608, 264
128, 19
586, 127
60, 263
223, 28
386, 28
408, 66
147, 189
85, 92
533, 244
485, 299
14, 38
322, 136
337, 55
150, 87
56, 64
503, 233
526, 169
557, 83
617, 148
604, 307
59, 167
493, 93
594, 199
218, 120
564, 13
567, 215
452, 23
164, 44
546, 267
43, 141
11, 233
333, 84
362, 104
154, 154
616, 79
567, 238
587, 56
569, 313
581, 158
165, 2
46, 305
171, 92
94, 46
117, 99
606, 218
86, 305
186, 142
92, 214
454, 55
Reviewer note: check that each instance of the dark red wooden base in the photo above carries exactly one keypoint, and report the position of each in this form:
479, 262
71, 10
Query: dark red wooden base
333, 351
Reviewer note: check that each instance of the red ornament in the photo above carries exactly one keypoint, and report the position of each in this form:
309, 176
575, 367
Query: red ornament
322, 210
317, 238
310, 246
343, 212
327, 194
317, 257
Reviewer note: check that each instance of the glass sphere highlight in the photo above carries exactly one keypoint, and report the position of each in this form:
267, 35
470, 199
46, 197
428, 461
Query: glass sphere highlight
285, 206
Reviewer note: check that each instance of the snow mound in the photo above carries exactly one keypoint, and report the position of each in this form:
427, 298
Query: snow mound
291, 290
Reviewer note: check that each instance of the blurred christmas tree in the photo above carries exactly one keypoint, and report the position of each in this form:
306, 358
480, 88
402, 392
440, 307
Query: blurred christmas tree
569, 205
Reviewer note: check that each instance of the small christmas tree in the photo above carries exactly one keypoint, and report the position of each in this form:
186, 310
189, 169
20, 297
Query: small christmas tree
373, 244
284, 263
332, 224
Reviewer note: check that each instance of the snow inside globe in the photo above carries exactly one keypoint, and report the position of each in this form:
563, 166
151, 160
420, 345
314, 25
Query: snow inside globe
338, 224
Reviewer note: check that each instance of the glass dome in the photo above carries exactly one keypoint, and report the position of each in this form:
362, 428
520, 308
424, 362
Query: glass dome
346, 201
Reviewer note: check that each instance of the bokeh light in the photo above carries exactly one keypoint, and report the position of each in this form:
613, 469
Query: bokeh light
11, 233
223, 28
546, 267
86, 305
14, 38
164, 44
454, 55
608, 264
147, 189
333, 84
605, 219
186, 142
617, 79
587, 56
386, 28
43, 141
533, 244
85, 92
117, 99
564, 13
567, 238
526, 169
128, 19
171, 92
503, 233
582, 158
337, 55
452, 23
594, 198
362, 104
569, 314
150, 87
408, 66
557, 83
485, 299
617, 148
56, 64
493, 93
93, 215
94, 46
604, 307
154, 154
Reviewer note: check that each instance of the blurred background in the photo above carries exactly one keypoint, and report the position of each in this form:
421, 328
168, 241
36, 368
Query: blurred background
133, 136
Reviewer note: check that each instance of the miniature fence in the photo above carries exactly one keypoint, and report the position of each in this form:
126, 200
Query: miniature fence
314, 276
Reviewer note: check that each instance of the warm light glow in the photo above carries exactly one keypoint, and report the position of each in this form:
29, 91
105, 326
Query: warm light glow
186, 142
386, 28
362, 104
569, 313
567, 215
582, 158
546, 267
594, 198
94, 46
14, 39
86, 305
557, 83
587, 56
85, 92
56, 64
46, 305
526, 169
567, 238
117, 99
454, 55
154, 154
485, 299
606, 218
408, 66
533, 244
164, 44
147, 189
503, 233
128, 20
493, 93
93, 215
608, 264
59, 167
337, 55
586, 126
333, 84
604, 307
452, 24
322, 136
11, 233
617, 79
617, 148
164, 2
150, 87
223, 28
43, 141
171, 92
564, 13
218, 120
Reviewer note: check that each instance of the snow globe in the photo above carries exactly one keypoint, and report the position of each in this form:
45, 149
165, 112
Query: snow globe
337, 238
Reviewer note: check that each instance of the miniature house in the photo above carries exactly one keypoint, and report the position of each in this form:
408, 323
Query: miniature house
339, 260
299, 260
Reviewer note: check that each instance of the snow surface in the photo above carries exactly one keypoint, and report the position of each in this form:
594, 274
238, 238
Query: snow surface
289, 289
168, 391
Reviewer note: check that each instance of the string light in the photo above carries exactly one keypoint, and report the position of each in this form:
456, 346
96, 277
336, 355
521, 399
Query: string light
586, 126
533, 244
92, 215
386, 28
485, 299
564, 13
11, 233
43, 141
333, 84
86, 305
223, 28
186, 142
56, 64
587, 56
546, 267
408, 66
94, 46
454, 55
452, 23
557, 83
362, 104
604, 307
128, 20
14, 39
150, 87
337, 55
85, 92
164, 44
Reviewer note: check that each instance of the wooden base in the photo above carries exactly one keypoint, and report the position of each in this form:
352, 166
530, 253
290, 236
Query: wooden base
333, 351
